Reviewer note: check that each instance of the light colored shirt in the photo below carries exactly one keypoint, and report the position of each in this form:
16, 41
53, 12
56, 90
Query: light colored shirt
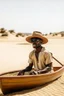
44, 58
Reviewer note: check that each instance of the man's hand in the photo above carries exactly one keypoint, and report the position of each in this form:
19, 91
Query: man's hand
45, 70
21, 72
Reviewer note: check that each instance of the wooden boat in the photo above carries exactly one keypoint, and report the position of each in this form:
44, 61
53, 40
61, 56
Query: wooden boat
15, 83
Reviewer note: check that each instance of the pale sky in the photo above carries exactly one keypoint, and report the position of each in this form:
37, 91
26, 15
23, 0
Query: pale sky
31, 15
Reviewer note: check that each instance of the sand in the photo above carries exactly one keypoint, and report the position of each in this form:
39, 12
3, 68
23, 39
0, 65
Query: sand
14, 55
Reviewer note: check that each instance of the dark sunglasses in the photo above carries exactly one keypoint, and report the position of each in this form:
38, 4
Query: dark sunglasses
35, 39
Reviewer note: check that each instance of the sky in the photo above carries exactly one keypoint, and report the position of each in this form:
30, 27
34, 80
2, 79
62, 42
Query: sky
32, 15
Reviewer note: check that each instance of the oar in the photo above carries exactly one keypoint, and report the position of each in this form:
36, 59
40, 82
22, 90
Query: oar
57, 61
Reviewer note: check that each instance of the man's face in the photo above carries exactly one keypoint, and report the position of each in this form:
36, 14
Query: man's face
36, 42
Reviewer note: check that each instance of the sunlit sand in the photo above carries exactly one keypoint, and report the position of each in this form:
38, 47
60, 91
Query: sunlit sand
14, 53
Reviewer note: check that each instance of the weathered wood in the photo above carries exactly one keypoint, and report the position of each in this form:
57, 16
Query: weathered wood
15, 83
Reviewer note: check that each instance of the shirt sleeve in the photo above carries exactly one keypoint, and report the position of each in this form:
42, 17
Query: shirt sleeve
48, 58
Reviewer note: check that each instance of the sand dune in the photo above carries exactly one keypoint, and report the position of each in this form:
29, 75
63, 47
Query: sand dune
14, 52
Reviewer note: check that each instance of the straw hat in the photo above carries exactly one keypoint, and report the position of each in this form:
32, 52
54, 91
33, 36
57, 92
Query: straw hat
37, 34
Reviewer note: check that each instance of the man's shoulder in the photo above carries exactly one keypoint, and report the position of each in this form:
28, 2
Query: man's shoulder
32, 52
45, 52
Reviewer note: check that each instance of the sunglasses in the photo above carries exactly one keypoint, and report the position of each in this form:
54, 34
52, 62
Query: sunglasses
35, 39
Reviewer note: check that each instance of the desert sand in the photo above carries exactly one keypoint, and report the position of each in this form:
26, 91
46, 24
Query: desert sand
14, 53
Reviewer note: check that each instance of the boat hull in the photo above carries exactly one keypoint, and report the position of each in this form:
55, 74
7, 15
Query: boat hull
11, 84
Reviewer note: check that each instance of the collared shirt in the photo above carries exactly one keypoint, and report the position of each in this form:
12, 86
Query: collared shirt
43, 59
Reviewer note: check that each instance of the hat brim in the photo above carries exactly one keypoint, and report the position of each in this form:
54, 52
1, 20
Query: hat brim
44, 39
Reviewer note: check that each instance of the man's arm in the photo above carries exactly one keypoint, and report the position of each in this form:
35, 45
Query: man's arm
28, 68
46, 69
48, 62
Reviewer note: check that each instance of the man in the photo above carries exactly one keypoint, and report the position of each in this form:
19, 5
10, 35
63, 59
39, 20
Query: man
39, 57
